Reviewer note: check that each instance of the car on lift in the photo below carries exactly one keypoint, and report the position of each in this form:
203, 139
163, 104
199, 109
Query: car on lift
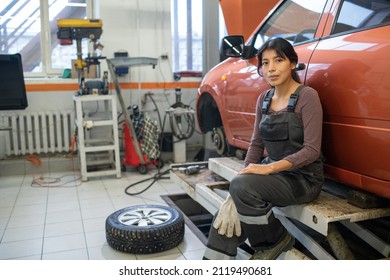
343, 48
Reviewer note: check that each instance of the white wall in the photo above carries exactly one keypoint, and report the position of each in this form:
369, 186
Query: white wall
143, 29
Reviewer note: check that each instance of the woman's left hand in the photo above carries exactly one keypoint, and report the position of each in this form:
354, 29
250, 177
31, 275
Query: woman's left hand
261, 169
266, 169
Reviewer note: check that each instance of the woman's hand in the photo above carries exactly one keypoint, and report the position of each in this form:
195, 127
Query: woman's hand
266, 169
261, 169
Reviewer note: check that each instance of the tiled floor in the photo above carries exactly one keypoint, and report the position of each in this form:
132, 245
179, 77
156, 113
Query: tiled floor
68, 222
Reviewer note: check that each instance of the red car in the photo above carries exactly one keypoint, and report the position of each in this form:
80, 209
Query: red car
344, 53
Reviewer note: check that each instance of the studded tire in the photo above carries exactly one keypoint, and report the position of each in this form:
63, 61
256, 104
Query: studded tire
145, 229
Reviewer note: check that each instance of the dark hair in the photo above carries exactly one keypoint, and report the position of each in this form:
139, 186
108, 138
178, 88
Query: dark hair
284, 49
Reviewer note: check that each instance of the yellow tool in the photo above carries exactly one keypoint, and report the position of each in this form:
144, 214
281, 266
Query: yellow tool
78, 29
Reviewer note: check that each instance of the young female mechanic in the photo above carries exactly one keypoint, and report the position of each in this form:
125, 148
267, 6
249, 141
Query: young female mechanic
288, 126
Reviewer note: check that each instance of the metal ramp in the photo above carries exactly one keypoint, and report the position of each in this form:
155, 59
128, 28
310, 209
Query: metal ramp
209, 188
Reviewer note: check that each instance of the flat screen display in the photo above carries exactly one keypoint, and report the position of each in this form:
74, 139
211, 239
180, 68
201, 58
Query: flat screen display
12, 86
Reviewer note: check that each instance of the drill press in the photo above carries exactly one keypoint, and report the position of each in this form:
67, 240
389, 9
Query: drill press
79, 29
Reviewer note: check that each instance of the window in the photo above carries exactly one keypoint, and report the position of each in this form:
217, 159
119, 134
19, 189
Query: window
29, 27
287, 22
187, 35
355, 14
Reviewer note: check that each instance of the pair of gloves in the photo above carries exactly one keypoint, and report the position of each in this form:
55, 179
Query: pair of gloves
227, 221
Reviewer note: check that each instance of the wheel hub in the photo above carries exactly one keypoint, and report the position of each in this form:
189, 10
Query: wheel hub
218, 139
144, 217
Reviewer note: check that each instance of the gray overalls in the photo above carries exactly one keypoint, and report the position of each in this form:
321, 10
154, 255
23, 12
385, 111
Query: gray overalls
255, 195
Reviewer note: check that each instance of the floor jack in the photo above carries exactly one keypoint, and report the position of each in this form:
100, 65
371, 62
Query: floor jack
133, 153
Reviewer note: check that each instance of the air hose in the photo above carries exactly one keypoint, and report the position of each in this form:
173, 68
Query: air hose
177, 112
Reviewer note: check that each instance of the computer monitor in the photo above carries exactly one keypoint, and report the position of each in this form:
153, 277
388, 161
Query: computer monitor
12, 87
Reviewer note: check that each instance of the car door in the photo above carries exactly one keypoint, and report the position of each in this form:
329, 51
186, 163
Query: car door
350, 70
301, 23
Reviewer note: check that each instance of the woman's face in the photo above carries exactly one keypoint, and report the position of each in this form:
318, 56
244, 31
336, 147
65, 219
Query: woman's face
276, 70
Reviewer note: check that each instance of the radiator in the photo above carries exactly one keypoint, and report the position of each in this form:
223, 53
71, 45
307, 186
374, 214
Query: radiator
37, 132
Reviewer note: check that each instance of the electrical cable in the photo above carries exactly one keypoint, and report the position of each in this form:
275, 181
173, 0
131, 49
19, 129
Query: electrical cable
186, 169
175, 120
178, 133
189, 117
91, 114
162, 123
149, 94
45, 182
155, 178
159, 174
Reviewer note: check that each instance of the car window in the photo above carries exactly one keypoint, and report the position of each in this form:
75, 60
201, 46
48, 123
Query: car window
355, 14
294, 20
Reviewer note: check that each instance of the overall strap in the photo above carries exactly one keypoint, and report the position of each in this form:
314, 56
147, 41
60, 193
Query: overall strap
267, 101
292, 102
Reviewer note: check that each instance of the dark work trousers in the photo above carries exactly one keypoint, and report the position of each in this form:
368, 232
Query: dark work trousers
254, 197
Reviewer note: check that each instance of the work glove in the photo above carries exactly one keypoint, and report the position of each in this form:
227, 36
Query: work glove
227, 221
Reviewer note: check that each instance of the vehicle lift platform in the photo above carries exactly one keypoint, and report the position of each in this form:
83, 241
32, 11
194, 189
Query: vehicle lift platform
210, 185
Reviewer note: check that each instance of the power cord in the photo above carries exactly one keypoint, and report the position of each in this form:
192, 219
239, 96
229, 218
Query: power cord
178, 133
185, 169
173, 120
155, 178
46, 182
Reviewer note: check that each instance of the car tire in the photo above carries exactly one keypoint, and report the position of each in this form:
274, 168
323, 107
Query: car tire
145, 229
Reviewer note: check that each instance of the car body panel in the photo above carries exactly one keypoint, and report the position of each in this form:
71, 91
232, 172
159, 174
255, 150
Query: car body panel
351, 74
350, 71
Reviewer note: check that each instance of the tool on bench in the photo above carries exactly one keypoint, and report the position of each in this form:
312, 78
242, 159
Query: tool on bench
190, 169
